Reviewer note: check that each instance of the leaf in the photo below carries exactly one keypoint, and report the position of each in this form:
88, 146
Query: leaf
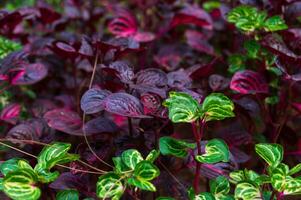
217, 106
165, 198
8, 46
152, 77
142, 184
236, 63
220, 186
10, 165
246, 191
175, 147
216, 151
218, 82
92, 100
20, 185
279, 177
131, 158
122, 69
124, 104
56, 153
182, 107
67, 195
120, 166
146, 170
252, 48
197, 41
30, 74
271, 153
295, 169
10, 113
100, 125
237, 176
153, 155
64, 120
248, 82
192, 15
109, 186
275, 23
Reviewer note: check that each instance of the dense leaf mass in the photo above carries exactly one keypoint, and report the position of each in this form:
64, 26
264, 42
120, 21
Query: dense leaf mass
150, 99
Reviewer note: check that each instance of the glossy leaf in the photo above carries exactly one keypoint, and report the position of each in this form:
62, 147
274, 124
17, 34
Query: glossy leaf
124, 24
10, 165
109, 186
216, 151
182, 107
122, 69
131, 158
295, 169
246, 191
20, 185
152, 76
175, 147
10, 113
248, 82
217, 106
67, 195
201, 196
220, 187
271, 153
124, 104
279, 177
146, 170
7, 46
275, 23
120, 166
142, 184
30, 74
92, 100
153, 155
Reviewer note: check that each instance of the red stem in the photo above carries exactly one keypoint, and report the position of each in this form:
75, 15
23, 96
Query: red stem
198, 130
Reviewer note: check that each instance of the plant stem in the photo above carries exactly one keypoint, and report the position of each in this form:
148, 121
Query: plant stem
198, 130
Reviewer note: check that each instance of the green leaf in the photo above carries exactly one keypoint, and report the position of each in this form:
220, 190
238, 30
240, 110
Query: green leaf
44, 175
295, 169
175, 147
236, 63
252, 48
271, 100
153, 155
204, 196
279, 176
216, 151
246, 191
211, 5
109, 186
220, 186
275, 23
165, 198
55, 154
20, 185
67, 195
247, 18
217, 106
131, 158
8, 46
142, 184
182, 107
146, 170
1, 184
237, 176
271, 153
9, 166
292, 186
120, 167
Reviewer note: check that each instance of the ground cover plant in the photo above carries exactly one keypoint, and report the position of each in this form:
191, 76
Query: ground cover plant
150, 99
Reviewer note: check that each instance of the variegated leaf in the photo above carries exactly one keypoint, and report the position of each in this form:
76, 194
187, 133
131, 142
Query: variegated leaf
146, 170
153, 155
175, 147
131, 158
142, 184
182, 107
295, 169
9, 166
247, 191
220, 187
20, 185
271, 153
216, 151
217, 106
68, 194
109, 186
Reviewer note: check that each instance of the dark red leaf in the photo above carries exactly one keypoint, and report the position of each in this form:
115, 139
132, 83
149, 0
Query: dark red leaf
123, 70
124, 104
64, 120
92, 100
10, 113
152, 76
30, 74
192, 15
249, 82
198, 42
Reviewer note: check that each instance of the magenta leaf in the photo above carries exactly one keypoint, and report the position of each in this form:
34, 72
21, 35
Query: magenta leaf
192, 15
144, 36
152, 103
124, 104
152, 76
249, 82
64, 120
30, 74
10, 113
92, 100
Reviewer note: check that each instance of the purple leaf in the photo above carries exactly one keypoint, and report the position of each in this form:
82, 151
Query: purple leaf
179, 79
218, 82
124, 104
10, 113
92, 100
192, 15
100, 125
85, 48
144, 36
64, 120
152, 76
30, 74
198, 42
122, 69
249, 82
